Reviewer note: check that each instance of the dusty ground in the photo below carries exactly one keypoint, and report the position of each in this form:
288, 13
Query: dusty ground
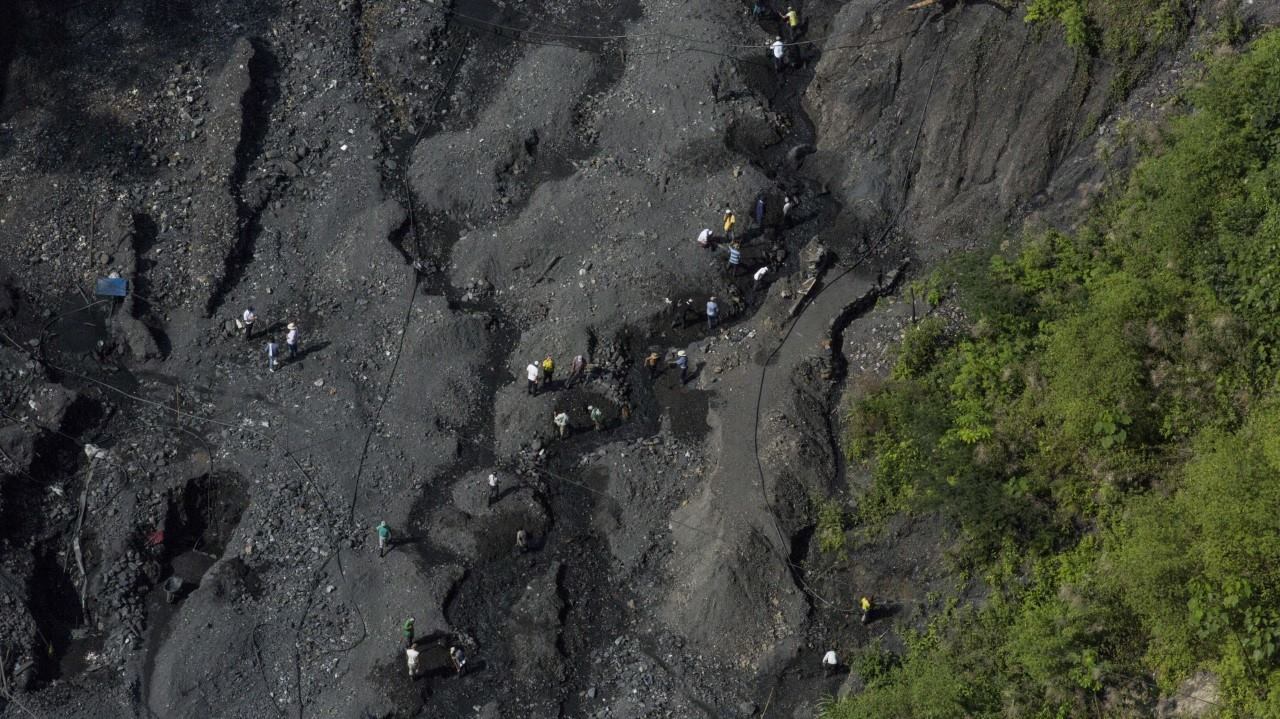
439, 195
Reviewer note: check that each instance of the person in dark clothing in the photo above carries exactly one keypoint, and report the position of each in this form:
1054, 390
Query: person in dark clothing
493, 489
576, 370
682, 361
653, 365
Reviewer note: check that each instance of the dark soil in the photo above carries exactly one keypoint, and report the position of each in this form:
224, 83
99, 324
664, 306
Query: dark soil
438, 194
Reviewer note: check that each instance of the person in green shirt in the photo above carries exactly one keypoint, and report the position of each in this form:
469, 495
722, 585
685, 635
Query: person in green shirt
408, 632
384, 538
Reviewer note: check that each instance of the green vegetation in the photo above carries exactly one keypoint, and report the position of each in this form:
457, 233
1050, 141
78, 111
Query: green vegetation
1106, 433
1129, 34
830, 527
1120, 29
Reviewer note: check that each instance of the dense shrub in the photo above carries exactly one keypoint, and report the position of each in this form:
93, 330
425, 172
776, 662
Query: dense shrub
1107, 433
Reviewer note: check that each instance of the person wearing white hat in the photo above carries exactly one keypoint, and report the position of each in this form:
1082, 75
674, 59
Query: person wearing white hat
713, 313
682, 361
291, 340
730, 220
534, 374
779, 52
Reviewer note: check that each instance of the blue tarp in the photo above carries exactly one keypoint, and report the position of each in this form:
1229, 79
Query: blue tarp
111, 287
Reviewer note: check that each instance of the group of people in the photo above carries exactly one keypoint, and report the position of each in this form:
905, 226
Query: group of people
541, 374
789, 27
560, 418
291, 339
830, 661
413, 654
654, 363
411, 642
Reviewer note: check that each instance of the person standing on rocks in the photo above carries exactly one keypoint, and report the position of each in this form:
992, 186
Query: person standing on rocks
535, 378
548, 371
790, 204
597, 417
867, 609
384, 538
653, 365
522, 541
248, 318
730, 221
561, 420
411, 656
735, 259
779, 52
291, 341
760, 206
493, 489
791, 21
713, 313
407, 631
682, 361
576, 370
273, 353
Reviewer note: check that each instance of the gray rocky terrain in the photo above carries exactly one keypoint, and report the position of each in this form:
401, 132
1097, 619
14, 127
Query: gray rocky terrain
438, 194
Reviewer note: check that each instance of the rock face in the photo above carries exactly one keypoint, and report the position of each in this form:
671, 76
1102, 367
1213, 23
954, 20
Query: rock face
126, 327
960, 121
219, 225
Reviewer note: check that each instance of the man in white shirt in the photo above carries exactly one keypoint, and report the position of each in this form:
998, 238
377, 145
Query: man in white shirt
779, 52
411, 656
705, 238
830, 662
561, 420
291, 340
248, 318
533, 373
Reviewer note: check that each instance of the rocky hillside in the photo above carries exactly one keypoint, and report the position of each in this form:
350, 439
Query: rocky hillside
437, 195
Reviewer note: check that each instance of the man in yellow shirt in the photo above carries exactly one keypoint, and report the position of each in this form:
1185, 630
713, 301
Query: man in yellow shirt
730, 220
548, 369
791, 19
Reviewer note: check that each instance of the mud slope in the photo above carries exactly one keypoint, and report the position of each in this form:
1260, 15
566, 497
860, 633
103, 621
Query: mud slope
438, 195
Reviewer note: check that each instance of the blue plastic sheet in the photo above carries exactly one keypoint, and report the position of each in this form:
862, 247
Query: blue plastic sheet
111, 287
